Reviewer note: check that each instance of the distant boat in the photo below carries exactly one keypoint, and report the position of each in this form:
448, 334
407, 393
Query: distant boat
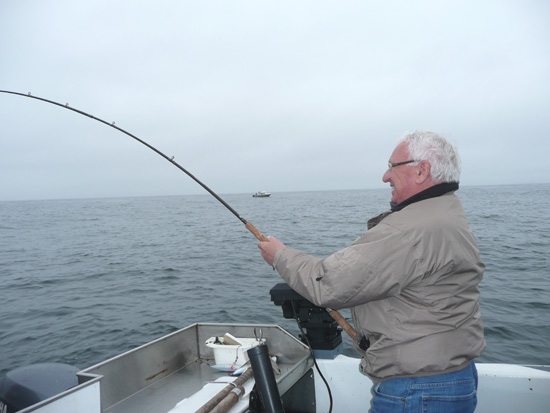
261, 194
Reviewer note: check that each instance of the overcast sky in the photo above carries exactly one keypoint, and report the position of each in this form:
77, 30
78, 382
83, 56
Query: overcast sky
257, 95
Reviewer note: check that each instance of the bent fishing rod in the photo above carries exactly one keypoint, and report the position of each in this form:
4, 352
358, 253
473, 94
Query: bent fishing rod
248, 225
261, 237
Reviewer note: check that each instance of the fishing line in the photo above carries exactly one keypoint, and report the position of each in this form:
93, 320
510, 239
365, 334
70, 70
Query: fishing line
247, 224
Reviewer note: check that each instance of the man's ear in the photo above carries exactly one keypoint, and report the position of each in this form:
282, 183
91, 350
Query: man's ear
423, 172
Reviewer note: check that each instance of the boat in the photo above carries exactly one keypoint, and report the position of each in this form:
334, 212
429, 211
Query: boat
261, 194
181, 372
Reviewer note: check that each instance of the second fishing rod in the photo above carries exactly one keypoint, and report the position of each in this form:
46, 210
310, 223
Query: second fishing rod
334, 313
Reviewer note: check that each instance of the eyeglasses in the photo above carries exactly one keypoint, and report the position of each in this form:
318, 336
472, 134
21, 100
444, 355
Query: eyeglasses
393, 165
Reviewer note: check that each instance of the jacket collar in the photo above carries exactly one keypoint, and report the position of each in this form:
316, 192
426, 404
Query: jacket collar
431, 192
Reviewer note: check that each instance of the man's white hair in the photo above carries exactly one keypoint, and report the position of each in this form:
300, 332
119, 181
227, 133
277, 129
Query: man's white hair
434, 148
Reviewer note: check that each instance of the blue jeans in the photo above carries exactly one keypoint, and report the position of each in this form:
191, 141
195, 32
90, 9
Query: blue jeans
451, 392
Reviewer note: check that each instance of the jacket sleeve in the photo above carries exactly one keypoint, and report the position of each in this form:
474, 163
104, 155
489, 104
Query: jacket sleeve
377, 265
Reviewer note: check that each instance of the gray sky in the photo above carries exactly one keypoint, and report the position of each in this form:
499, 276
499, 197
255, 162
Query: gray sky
276, 96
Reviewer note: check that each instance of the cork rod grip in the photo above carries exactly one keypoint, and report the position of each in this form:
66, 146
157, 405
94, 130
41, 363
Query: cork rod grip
261, 237
343, 323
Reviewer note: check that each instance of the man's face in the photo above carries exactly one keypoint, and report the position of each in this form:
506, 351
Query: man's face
402, 177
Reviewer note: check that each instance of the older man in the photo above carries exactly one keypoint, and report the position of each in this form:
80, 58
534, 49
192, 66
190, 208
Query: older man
411, 281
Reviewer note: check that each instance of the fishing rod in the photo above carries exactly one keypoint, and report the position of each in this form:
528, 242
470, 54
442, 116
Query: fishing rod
247, 224
261, 237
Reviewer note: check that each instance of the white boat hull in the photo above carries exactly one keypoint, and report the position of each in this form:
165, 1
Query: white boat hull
502, 387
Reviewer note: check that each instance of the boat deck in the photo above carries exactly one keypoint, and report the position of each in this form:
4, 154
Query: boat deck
159, 375
174, 375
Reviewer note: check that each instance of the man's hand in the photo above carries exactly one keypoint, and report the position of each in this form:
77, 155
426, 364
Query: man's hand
270, 248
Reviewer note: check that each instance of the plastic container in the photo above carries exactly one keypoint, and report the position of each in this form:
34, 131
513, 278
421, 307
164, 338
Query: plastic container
230, 350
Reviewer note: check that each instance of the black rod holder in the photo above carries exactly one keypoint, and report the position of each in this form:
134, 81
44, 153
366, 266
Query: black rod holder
265, 378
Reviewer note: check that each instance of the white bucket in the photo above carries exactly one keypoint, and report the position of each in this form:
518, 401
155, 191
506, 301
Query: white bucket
230, 350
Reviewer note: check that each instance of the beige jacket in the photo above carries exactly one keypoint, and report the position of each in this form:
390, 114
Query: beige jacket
412, 283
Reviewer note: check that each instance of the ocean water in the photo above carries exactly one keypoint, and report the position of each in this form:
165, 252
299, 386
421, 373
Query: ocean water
84, 280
